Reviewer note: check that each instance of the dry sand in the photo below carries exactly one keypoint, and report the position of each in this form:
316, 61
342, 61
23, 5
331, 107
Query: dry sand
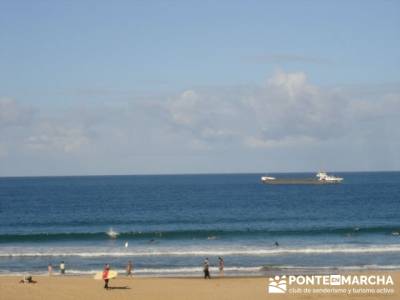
79, 287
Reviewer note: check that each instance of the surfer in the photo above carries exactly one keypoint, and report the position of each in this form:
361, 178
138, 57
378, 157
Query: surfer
206, 267
276, 244
129, 268
105, 275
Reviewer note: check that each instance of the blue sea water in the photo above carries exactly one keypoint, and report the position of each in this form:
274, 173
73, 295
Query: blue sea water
170, 223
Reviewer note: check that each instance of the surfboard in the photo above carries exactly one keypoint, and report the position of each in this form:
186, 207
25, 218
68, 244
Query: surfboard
111, 275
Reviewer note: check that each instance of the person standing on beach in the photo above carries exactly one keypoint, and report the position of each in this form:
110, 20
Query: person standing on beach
206, 269
221, 266
105, 275
62, 268
50, 269
129, 269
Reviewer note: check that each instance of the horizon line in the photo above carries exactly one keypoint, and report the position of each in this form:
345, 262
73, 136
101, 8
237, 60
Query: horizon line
191, 174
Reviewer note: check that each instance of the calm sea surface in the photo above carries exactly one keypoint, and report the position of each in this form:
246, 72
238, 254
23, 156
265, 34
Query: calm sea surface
167, 225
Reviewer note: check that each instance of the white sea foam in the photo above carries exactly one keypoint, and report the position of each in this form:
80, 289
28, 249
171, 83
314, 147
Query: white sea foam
141, 252
361, 267
112, 234
153, 271
197, 271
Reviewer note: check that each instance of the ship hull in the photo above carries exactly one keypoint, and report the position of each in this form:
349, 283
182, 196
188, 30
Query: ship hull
298, 181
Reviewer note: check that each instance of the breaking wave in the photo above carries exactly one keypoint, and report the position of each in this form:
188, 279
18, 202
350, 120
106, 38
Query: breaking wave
203, 253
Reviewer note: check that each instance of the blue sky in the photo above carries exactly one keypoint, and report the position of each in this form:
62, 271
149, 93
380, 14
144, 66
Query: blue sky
166, 80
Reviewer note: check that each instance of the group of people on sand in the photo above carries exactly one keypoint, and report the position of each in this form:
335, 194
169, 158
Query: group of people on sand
61, 267
29, 279
206, 267
129, 271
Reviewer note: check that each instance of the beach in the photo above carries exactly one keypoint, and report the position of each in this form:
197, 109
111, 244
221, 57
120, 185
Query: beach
84, 287
167, 226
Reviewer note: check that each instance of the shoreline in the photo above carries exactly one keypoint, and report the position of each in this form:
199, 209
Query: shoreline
177, 288
263, 272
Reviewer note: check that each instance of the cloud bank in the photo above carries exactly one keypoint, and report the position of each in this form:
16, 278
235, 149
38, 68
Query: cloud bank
286, 124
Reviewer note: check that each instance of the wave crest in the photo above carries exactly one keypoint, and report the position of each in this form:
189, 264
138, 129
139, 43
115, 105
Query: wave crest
213, 252
199, 234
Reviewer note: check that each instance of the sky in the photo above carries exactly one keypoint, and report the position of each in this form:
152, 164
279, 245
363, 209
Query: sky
171, 87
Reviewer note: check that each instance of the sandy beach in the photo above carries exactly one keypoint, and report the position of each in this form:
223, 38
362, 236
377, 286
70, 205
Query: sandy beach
79, 287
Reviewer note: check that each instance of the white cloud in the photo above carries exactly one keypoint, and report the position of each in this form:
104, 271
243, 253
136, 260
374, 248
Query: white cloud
21, 127
12, 113
225, 125
184, 108
254, 142
49, 137
203, 115
387, 105
211, 133
288, 106
287, 111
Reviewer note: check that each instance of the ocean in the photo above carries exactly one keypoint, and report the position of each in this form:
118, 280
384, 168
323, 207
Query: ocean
168, 224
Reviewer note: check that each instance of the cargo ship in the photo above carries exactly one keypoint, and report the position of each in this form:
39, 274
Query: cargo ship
321, 178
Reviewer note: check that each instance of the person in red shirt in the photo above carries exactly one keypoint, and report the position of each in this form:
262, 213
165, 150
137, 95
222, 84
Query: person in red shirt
105, 275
